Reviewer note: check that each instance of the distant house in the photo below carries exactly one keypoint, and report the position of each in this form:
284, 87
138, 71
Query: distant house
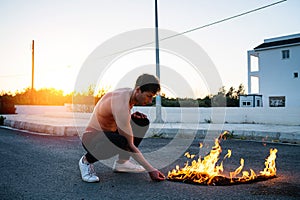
251, 100
273, 71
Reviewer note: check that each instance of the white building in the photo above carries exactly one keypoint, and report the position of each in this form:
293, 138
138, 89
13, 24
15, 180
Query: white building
251, 100
273, 71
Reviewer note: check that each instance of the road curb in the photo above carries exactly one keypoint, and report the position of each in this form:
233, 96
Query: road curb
42, 128
263, 136
159, 132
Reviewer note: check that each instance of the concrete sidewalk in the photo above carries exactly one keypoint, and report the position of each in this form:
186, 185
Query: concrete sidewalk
70, 124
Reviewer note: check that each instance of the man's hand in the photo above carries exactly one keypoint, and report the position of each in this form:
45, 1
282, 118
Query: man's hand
157, 175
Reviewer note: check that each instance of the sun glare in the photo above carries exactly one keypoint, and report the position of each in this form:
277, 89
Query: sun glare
62, 79
178, 77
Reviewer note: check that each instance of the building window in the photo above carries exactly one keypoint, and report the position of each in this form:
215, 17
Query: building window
246, 103
296, 75
285, 54
277, 101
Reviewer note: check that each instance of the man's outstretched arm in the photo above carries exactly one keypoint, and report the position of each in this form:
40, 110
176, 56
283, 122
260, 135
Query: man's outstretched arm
154, 174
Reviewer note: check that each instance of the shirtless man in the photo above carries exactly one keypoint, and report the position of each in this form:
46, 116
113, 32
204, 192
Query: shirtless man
113, 130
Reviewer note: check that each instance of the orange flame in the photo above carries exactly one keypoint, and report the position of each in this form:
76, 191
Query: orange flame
270, 169
206, 170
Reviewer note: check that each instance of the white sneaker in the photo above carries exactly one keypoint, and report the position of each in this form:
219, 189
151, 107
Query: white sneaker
128, 166
88, 173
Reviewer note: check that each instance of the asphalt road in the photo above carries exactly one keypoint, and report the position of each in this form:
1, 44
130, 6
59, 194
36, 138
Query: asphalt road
46, 167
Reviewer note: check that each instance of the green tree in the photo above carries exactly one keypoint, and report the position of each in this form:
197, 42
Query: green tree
241, 90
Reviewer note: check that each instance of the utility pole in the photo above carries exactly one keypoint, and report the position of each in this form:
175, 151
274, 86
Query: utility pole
32, 72
158, 97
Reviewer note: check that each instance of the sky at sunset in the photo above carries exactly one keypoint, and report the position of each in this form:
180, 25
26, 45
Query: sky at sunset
66, 32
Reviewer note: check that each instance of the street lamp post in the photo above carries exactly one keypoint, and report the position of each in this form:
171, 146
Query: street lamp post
32, 66
158, 97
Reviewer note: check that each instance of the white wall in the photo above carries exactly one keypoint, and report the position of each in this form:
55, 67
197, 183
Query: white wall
37, 109
261, 115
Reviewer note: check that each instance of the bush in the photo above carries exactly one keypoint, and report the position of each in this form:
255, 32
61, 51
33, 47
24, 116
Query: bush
6, 106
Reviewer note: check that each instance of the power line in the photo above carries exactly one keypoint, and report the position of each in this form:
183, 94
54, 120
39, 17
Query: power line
28, 74
197, 28
223, 20
16, 75
182, 33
